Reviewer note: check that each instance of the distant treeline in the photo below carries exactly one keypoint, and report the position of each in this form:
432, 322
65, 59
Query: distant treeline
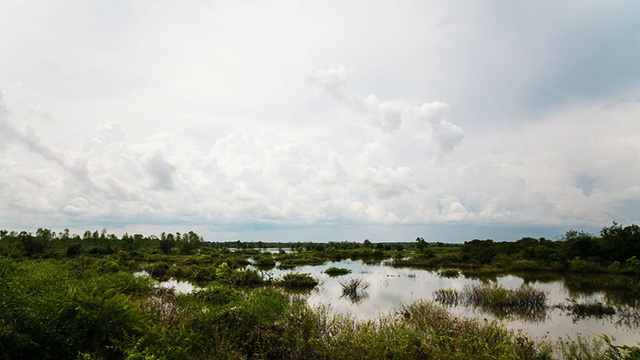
43, 241
615, 247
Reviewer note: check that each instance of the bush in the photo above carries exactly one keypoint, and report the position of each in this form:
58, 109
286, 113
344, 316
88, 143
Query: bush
243, 277
336, 271
527, 265
449, 273
297, 280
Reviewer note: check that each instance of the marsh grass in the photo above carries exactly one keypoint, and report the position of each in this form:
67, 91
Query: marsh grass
449, 297
97, 315
525, 303
491, 294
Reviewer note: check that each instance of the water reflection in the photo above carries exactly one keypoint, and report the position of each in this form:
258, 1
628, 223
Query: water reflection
526, 303
180, 287
355, 290
620, 290
391, 288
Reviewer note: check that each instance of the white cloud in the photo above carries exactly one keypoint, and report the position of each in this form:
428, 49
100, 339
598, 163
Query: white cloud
205, 113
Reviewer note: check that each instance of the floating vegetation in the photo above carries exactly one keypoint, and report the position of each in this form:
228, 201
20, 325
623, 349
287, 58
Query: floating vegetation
355, 290
449, 273
336, 271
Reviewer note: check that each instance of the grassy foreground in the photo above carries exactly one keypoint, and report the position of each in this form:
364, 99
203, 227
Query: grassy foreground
91, 309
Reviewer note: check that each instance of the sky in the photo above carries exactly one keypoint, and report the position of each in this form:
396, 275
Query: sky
320, 121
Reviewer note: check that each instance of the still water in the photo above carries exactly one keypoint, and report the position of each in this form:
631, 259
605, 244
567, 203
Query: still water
390, 288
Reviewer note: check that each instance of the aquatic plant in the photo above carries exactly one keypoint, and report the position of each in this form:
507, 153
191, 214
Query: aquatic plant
354, 289
449, 273
336, 271
447, 296
526, 303
297, 280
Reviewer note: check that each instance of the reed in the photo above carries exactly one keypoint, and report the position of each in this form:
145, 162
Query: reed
354, 289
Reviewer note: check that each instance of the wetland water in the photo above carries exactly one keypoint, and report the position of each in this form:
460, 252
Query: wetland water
390, 288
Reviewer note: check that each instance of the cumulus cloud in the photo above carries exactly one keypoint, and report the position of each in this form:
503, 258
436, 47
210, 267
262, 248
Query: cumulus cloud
219, 124
160, 170
333, 80
423, 127
28, 137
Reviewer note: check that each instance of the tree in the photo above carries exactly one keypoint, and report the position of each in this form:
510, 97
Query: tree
620, 243
580, 244
481, 251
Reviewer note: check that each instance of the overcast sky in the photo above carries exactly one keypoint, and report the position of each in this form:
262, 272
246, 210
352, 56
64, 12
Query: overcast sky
320, 121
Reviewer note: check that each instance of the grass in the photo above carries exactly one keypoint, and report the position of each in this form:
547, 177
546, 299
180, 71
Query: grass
447, 296
100, 312
526, 303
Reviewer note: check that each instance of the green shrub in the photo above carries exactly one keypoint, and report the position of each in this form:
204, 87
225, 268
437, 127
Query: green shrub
217, 295
158, 270
449, 273
297, 280
527, 265
243, 277
336, 271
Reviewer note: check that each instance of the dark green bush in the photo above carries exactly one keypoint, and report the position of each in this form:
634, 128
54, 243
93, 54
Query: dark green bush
297, 280
336, 271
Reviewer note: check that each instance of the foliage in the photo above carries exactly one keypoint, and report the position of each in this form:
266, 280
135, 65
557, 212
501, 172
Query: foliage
67, 296
297, 280
526, 303
449, 273
336, 271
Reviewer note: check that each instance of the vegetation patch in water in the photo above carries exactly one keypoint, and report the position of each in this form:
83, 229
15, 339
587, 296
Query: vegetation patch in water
580, 310
297, 280
354, 289
526, 302
493, 295
336, 271
447, 296
449, 273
